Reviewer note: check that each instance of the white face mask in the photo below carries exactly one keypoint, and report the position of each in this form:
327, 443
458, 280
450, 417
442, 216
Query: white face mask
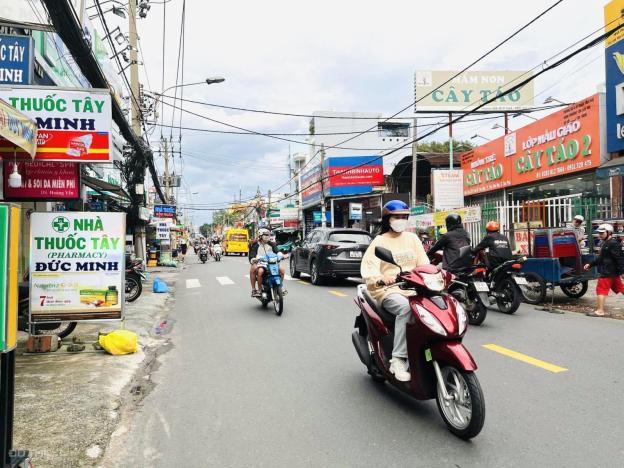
398, 225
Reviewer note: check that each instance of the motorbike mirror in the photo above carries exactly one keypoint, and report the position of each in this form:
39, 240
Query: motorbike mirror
385, 255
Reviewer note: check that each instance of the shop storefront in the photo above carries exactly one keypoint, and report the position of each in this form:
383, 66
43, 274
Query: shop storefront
554, 159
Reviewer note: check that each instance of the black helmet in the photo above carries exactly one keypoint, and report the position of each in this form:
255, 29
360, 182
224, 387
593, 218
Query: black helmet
452, 221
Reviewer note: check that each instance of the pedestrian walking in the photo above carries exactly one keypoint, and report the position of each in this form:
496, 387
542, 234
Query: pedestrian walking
611, 263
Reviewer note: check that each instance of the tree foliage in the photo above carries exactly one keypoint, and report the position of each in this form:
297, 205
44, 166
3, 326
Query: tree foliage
459, 146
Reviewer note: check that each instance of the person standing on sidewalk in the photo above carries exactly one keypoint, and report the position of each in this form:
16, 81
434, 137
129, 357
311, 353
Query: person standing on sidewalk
610, 260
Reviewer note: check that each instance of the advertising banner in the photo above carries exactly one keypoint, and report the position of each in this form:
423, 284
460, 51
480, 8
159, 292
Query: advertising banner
45, 180
350, 175
311, 187
613, 18
471, 89
77, 266
16, 59
163, 231
289, 214
17, 130
9, 255
355, 211
164, 211
448, 188
614, 71
562, 143
74, 124
469, 214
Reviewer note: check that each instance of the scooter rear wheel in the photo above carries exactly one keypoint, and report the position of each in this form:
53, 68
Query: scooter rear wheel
509, 303
464, 413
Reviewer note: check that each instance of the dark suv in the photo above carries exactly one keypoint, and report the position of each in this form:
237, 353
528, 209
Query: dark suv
329, 252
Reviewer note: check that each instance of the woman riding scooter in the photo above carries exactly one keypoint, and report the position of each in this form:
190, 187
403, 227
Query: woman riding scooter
408, 252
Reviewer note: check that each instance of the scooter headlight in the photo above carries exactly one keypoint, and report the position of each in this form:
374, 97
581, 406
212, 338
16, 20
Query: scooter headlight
429, 320
434, 282
462, 317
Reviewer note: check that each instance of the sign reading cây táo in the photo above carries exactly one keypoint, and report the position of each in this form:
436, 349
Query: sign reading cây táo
77, 266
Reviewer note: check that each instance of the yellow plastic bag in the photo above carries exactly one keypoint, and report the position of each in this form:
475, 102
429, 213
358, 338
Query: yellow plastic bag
119, 342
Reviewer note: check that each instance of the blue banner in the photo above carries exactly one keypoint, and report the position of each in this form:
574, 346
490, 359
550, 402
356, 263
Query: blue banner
16, 59
614, 68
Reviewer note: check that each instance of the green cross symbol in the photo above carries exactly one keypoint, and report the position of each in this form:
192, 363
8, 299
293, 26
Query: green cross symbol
60, 224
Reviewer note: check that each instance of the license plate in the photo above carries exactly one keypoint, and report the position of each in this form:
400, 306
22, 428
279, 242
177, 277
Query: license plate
354, 254
480, 286
520, 280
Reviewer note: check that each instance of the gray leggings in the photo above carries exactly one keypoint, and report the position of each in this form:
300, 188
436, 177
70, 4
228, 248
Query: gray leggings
398, 305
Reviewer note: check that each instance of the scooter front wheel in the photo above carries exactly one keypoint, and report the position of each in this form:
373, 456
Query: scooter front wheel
464, 409
278, 300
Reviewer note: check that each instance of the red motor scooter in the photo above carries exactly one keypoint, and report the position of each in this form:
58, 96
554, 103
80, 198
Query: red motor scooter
440, 365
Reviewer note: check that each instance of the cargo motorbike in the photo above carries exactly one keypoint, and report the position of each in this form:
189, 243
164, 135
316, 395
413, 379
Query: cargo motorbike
440, 366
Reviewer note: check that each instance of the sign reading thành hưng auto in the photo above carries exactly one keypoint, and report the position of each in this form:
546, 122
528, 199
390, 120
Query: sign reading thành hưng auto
77, 266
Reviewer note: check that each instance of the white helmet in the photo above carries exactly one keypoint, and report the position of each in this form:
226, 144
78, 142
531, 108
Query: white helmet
605, 228
579, 218
263, 232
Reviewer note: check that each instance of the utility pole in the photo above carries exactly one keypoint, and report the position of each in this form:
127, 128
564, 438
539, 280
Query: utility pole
323, 217
268, 211
135, 101
166, 174
414, 162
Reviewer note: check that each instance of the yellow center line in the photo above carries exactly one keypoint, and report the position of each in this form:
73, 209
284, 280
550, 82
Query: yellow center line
524, 358
303, 282
337, 293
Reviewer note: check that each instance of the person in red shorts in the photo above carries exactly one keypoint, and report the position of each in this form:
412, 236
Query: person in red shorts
609, 261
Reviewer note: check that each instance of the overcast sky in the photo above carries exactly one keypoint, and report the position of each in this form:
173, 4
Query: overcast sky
342, 55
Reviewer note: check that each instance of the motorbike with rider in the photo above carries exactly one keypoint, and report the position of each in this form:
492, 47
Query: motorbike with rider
380, 277
259, 249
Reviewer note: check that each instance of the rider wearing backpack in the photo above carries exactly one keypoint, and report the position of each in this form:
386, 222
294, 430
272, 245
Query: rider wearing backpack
611, 263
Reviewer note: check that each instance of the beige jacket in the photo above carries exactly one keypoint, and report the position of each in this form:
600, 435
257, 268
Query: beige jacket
407, 251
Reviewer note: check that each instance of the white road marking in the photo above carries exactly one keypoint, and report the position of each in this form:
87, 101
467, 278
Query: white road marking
192, 283
224, 280
289, 278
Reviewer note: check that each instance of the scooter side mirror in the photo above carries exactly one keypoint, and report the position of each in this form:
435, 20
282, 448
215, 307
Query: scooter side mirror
385, 255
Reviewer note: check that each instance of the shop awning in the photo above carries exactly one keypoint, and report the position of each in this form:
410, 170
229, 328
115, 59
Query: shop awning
613, 168
103, 187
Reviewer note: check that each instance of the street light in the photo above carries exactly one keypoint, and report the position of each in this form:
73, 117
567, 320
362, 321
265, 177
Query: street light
497, 125
476, 135
210, 80
550, 99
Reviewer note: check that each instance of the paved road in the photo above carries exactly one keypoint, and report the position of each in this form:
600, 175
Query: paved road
242, 387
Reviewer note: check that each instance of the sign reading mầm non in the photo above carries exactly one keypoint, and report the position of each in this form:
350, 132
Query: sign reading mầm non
470, 89
74, 124
77, 266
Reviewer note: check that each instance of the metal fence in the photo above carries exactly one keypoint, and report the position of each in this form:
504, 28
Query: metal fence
546, 212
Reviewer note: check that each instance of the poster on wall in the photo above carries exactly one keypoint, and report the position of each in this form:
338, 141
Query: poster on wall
74, 124
561, 143
448, 189
45, 180
77, 266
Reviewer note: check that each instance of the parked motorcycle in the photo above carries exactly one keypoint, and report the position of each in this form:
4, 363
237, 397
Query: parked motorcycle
217, 252
203, 254
469, 287
135, 274
272, 288
440, 365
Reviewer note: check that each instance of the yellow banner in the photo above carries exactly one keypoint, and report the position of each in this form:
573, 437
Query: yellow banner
469, 214
18, 129
613, 18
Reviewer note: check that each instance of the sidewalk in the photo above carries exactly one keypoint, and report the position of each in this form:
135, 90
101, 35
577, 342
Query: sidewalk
587, 303
68, 404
